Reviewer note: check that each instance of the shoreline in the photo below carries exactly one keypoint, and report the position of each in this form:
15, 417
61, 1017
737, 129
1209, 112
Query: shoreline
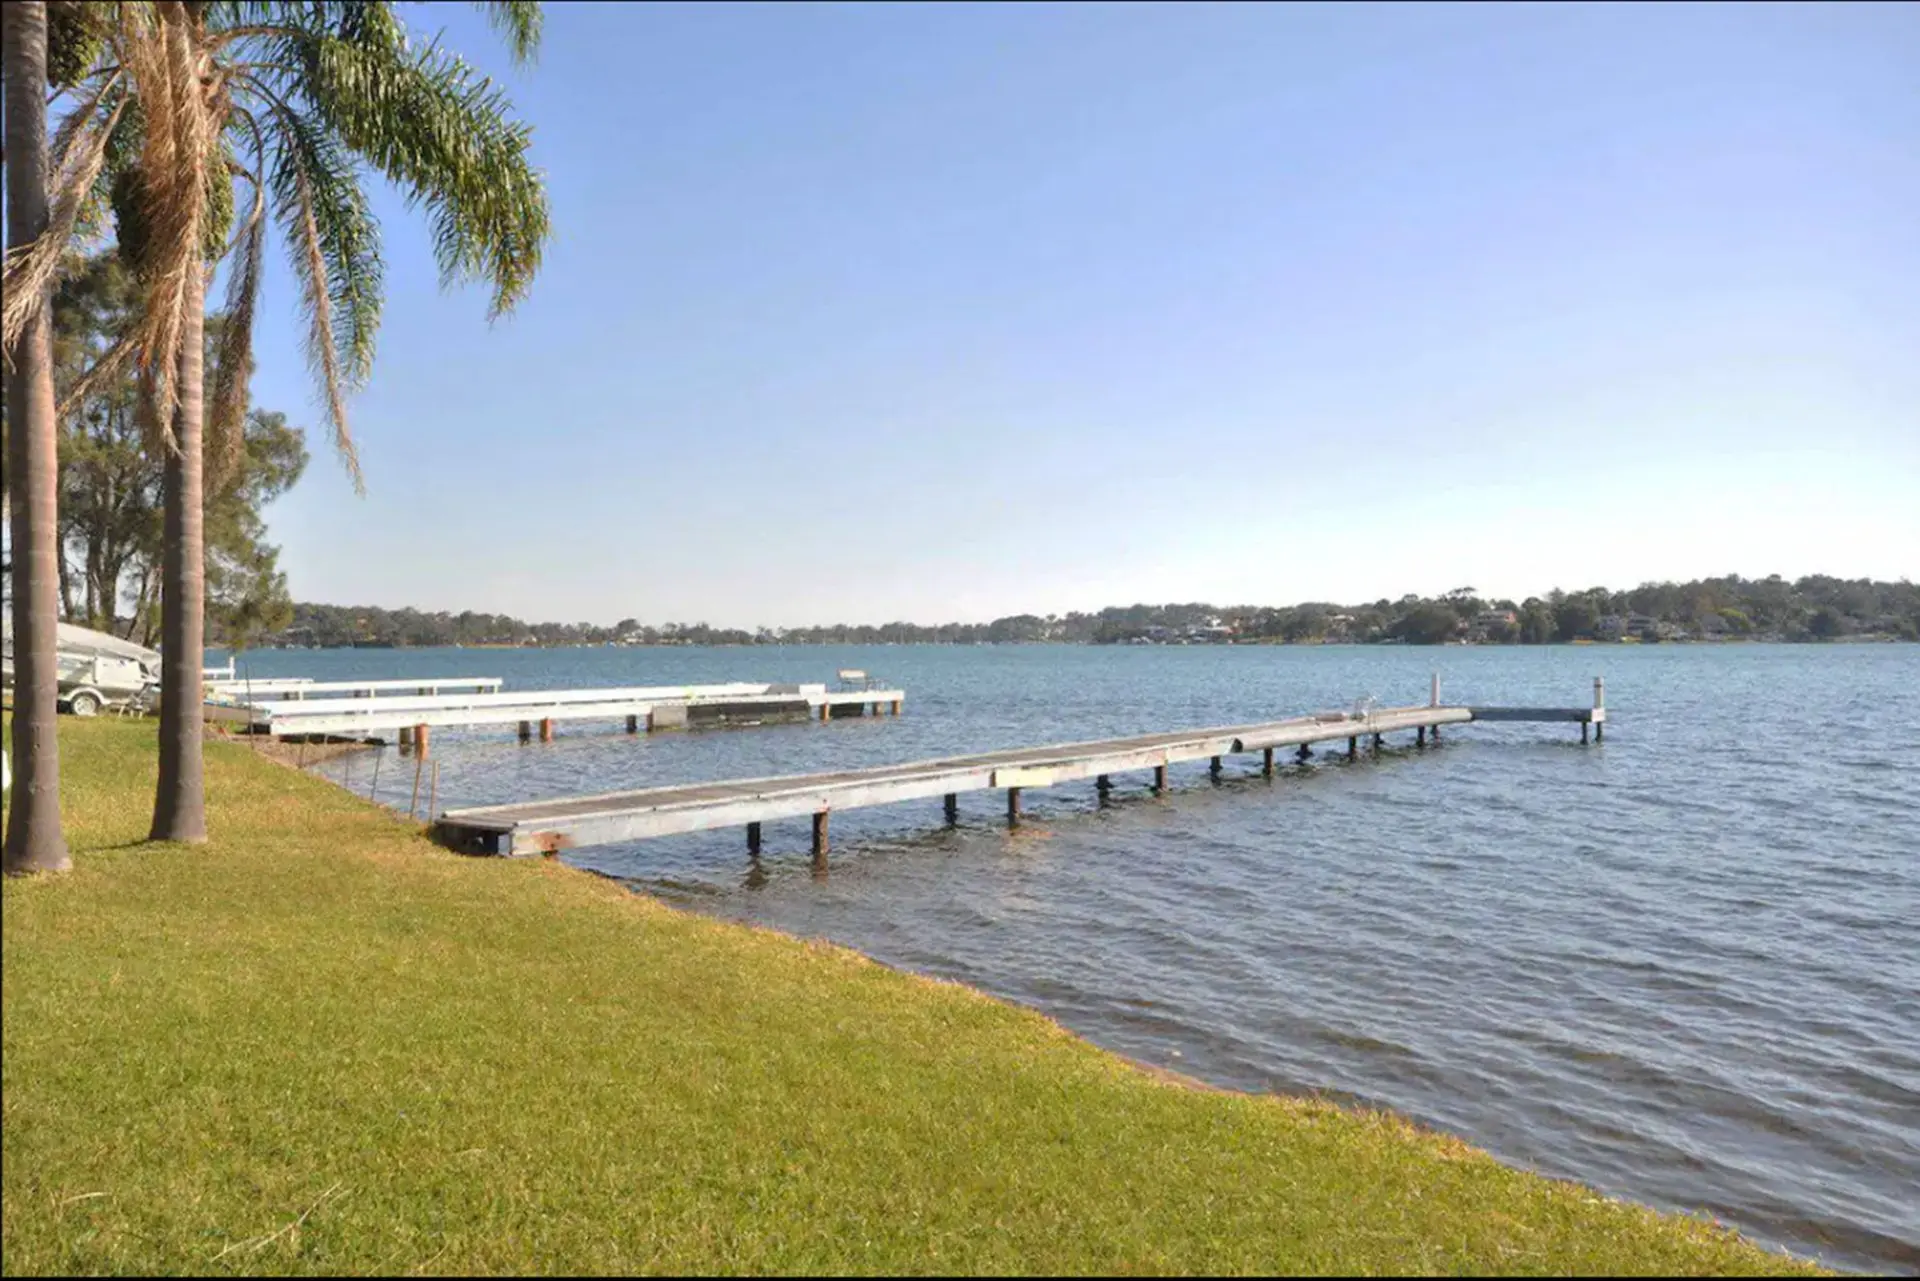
772, 1066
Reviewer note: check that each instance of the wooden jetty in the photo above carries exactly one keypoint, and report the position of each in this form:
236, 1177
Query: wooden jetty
412, 718
546, 827
301, 687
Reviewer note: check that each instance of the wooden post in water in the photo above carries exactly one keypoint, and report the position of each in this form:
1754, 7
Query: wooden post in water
1103, 785
1353, 748
633, 724
1303, 754
1213, 769
826, 712
1159, 778
1266, 763
952, 807
820, 838
546, 729
1422, 737
1583, 733
406, 737
420, 739
897, 705
1013, 807
526, 731
753, 839
1376, 744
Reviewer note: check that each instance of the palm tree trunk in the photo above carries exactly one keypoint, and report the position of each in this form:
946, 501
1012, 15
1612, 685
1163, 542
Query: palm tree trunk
34, 842
179, 807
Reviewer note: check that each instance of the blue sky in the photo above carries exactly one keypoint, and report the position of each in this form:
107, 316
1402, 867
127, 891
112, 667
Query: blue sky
947, 312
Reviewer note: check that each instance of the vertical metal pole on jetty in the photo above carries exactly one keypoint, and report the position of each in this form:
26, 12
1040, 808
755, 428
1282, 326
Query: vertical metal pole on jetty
1432, 701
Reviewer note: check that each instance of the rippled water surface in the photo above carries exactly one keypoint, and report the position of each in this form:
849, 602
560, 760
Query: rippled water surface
1683, 967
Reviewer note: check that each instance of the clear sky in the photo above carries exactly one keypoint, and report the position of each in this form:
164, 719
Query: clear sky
942, 313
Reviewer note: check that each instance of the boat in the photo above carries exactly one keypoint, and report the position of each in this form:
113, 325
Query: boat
97, 670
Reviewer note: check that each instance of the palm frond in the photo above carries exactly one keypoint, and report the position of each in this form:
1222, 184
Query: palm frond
233, 355
110, 363
76, 158
310, 263
520, 22
334, 247
158, 50
446, 136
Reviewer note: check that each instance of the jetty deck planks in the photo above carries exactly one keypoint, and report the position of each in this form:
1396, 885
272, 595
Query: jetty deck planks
544, 827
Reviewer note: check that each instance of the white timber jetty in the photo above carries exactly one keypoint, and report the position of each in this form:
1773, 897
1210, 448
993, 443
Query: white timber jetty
547, 827
368, 712
248, 690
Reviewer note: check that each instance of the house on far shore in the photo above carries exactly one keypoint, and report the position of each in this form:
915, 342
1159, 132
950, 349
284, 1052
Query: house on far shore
1486, 621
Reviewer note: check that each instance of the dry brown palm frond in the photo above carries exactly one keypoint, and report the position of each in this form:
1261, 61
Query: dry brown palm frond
80, 149
162, 57
320, 346
103, 368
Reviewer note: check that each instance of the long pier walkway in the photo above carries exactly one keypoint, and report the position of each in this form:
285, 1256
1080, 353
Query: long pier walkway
650, 707
546, 827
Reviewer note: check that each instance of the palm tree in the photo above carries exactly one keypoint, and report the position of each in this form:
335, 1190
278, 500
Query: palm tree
34, 842
280, 104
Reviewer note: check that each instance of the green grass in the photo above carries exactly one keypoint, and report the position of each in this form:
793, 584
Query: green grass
322, 1045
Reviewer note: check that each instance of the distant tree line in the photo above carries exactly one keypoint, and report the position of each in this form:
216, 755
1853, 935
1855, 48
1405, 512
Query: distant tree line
1814, 608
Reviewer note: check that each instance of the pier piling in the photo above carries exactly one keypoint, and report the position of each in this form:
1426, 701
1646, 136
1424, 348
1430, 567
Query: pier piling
753, 839
952, 807
820, 838
1159, 778
1266, 763
1013, 807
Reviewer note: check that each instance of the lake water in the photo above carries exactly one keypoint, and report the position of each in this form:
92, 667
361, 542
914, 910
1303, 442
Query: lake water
1682, 967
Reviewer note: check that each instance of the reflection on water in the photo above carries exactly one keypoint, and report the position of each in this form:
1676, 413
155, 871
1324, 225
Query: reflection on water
1683, 966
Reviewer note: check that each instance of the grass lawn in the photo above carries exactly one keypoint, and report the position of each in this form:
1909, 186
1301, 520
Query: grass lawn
320, 1044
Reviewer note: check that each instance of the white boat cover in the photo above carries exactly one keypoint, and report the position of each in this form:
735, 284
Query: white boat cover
84, 640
